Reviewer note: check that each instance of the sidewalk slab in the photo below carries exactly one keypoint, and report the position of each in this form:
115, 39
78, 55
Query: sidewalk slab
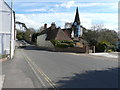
2, 77
105, 55
17, 72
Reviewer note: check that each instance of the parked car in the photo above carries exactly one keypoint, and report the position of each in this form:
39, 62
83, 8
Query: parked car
22, 43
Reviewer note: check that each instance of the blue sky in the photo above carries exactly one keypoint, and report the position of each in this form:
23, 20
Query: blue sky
36, 13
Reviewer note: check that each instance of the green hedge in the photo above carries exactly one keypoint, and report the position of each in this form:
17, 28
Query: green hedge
62, 43
3, 56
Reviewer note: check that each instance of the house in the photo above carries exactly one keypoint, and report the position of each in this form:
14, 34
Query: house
51, 33
7, 29
56, 33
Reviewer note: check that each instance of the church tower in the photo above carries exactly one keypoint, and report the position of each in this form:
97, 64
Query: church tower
76, 25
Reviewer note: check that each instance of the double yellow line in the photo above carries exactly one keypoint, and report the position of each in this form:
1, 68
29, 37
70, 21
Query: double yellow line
50, 82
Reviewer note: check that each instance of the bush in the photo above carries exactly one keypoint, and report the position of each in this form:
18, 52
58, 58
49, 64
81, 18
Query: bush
105, 46
109, 50
62, 43
102, 46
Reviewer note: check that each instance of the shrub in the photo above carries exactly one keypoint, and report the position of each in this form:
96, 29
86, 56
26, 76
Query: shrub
102, 46
109, 50
62, 43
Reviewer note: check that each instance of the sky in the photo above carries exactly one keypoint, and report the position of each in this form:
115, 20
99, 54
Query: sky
35, 13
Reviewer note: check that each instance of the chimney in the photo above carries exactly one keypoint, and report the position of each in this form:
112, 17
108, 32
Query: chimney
45, 26
53, 26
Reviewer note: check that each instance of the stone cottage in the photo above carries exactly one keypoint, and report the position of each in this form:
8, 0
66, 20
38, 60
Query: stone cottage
56, 33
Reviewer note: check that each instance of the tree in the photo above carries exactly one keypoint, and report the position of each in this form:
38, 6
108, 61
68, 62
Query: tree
97, 27
102, 46
97, 35
23, 24
91, 37
20, 35
119, 35
34, 37
68, 25
28, 34
108, 35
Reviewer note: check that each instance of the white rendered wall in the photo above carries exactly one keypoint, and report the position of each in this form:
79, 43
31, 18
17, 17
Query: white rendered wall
6, 29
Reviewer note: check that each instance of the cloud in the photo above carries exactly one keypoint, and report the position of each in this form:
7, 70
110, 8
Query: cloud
66, 4
87, 19
39, 10
107, 1
35, 10
27, 20
70, 4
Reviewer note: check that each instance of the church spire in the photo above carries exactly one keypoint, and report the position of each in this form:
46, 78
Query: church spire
77, 19
76, 25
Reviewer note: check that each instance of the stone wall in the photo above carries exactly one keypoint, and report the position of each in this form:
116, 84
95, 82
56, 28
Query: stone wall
42, 43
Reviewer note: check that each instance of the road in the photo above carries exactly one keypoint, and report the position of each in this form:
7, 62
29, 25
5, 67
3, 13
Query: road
46, 69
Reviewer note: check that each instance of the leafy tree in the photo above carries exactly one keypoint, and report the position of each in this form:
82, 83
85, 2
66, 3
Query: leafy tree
91, 37
20, 35
108, 35
28, 34
97, 35
102, 46
34, 37
68, 25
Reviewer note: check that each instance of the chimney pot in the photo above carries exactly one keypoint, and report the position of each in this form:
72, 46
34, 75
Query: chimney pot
45, 26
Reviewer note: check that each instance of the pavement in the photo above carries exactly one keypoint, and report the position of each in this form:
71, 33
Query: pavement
108, 55
2, 77
17, 73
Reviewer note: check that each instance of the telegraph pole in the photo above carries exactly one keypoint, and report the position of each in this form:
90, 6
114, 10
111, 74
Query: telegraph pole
11, 30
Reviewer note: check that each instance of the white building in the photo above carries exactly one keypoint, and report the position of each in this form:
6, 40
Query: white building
7, 29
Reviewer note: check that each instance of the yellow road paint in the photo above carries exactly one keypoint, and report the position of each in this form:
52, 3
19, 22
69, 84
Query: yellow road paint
50, 82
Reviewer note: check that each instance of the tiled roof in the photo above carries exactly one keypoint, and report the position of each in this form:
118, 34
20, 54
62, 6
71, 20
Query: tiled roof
61, 35
68, 31
54, 33
42, 32
51, 33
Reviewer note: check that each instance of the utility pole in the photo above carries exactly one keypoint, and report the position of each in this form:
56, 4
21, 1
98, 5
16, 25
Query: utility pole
11, 30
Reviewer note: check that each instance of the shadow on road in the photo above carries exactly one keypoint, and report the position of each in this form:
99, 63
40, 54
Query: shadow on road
33, 47
91, 79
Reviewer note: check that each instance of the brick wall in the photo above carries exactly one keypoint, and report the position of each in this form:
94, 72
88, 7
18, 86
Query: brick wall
75, 49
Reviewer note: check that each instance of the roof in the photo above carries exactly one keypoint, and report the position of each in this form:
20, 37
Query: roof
55, 34
42, 32
61, 35
8, 6
68, 31
77, 19
51, 33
